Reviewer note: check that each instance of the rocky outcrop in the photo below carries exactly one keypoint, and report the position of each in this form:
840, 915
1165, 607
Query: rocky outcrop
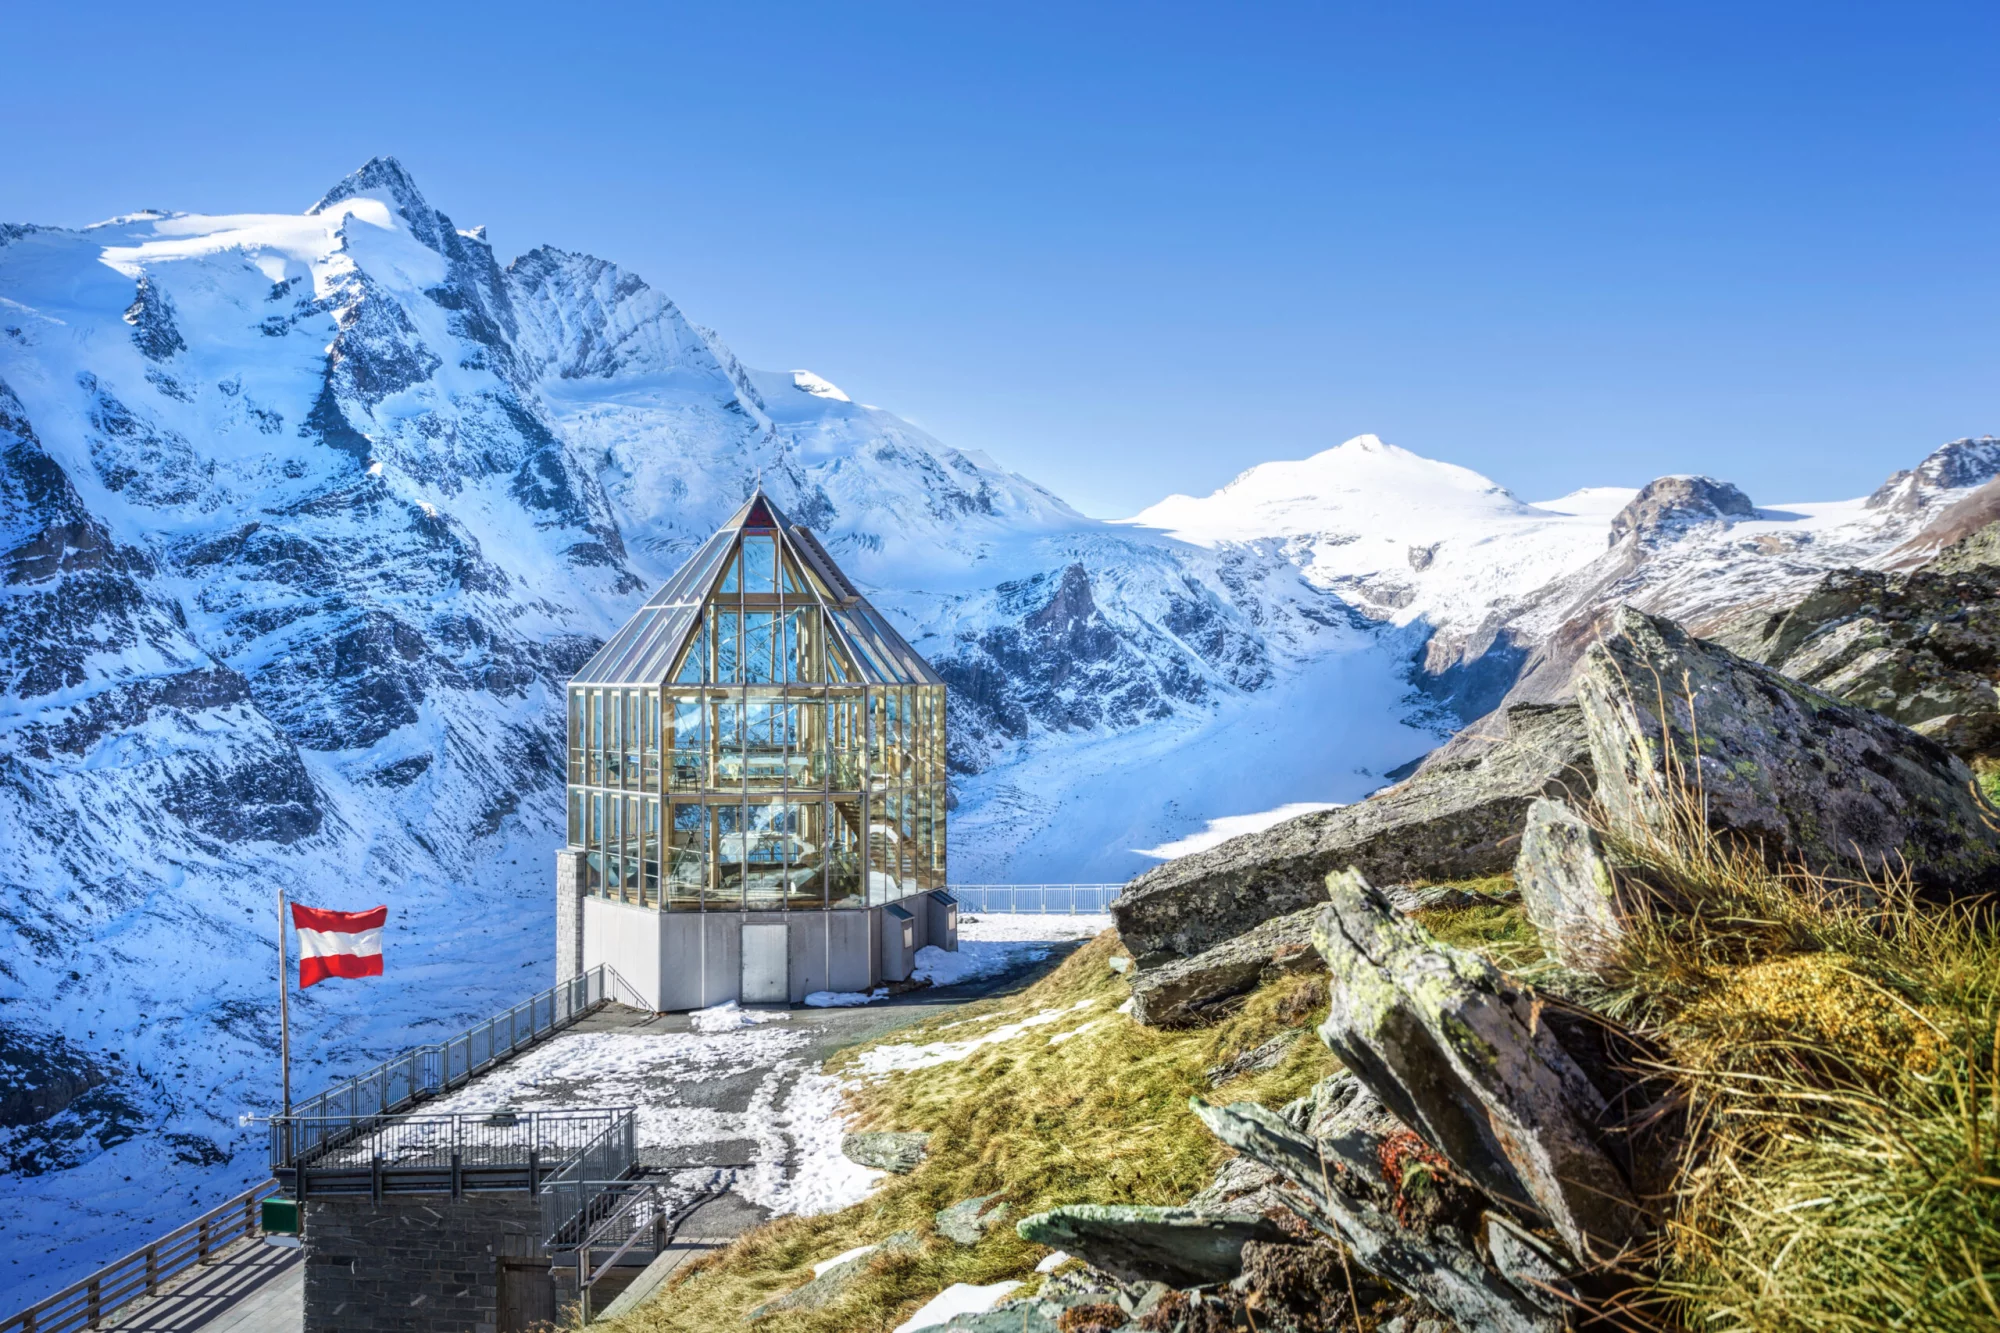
1567, 887
1812, 781
1487, 1149
1182, 1247
1668, 507
1529, 1098
898, 1153
1456, 819
1187, 990
1922, 647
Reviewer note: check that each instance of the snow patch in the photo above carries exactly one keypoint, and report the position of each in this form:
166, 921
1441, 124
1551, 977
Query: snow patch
957, 1299
841, 999
730, 1016
1222, 830
903, 1056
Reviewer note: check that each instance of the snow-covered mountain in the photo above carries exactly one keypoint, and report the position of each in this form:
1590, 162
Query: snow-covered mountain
306, 518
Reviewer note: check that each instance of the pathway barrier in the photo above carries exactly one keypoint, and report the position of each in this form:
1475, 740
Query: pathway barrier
90, 1302
1044, 898
350, 1106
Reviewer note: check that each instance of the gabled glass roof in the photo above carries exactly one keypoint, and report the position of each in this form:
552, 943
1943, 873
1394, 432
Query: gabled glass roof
646, 647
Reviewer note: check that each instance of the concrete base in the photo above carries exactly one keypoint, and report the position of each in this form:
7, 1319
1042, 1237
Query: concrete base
691, 960
420, 1263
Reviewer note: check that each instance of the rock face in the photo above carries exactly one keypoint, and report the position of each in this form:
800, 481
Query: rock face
1522, 1094
1922, 648
1186, 990
1567, 887
1837, 788
1671, 505
1457, 819
900, 1153
1182, 1247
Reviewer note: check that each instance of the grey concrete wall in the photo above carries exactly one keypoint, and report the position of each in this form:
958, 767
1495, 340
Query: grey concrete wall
569, 913
415, 1263
853, 950
629, 939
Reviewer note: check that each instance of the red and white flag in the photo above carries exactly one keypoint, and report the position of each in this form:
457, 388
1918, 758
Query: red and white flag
338, 944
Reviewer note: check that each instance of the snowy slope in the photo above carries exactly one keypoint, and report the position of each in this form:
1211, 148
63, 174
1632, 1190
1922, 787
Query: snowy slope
307, 519
1482, 580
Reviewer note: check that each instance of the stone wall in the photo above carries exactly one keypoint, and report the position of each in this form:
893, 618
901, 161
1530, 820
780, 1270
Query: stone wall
569, 914
413, 1263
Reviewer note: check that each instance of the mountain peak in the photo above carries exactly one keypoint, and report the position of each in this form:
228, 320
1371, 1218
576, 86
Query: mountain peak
387, 178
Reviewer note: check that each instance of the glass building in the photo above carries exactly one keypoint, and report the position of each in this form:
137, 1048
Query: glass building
758, 740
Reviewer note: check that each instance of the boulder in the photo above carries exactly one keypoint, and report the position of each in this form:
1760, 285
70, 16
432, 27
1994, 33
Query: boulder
1458, 818
1184, 991
896, 1152
966, 1222
1567, 887
1181, 1247
1530, 1100
1811, 781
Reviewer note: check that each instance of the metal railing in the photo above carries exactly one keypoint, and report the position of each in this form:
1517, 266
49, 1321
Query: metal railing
88, 1303
483, 1150
401, 1082
1046, 898
570, 1194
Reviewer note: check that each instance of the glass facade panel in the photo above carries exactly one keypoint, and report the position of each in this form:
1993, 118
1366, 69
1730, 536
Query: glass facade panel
760, 565
789, 754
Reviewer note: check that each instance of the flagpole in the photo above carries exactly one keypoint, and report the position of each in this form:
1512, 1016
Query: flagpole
284, 1008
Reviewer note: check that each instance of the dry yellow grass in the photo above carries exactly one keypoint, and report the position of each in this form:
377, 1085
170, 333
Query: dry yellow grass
1100, 1116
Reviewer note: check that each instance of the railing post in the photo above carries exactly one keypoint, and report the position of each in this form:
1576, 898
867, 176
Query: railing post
201, 1250
94, 1302
153, 1269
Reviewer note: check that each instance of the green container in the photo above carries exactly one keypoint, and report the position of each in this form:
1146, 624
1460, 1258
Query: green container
281, 1216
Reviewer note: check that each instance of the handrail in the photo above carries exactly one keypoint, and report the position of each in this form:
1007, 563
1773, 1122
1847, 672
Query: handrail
1042, 898
87, 1303
425, 1071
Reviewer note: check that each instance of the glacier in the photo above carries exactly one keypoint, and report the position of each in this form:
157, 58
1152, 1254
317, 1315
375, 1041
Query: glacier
308, 517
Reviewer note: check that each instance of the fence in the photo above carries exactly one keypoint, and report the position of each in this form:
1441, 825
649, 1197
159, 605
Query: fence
564, 1156
1070, 898
141, 1272
570, 1195
395, 1084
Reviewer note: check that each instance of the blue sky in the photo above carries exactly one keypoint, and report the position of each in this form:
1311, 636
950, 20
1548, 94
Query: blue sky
1132, 250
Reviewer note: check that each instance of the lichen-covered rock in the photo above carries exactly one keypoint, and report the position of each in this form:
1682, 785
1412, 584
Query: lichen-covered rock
1524, 1096
1181, 1247
966, 1222
1568, 888
896, 1152
1184, 991
1837, 788
1456, 819
1348, 1199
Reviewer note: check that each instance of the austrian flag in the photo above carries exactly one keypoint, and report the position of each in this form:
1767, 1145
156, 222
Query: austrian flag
338, 944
